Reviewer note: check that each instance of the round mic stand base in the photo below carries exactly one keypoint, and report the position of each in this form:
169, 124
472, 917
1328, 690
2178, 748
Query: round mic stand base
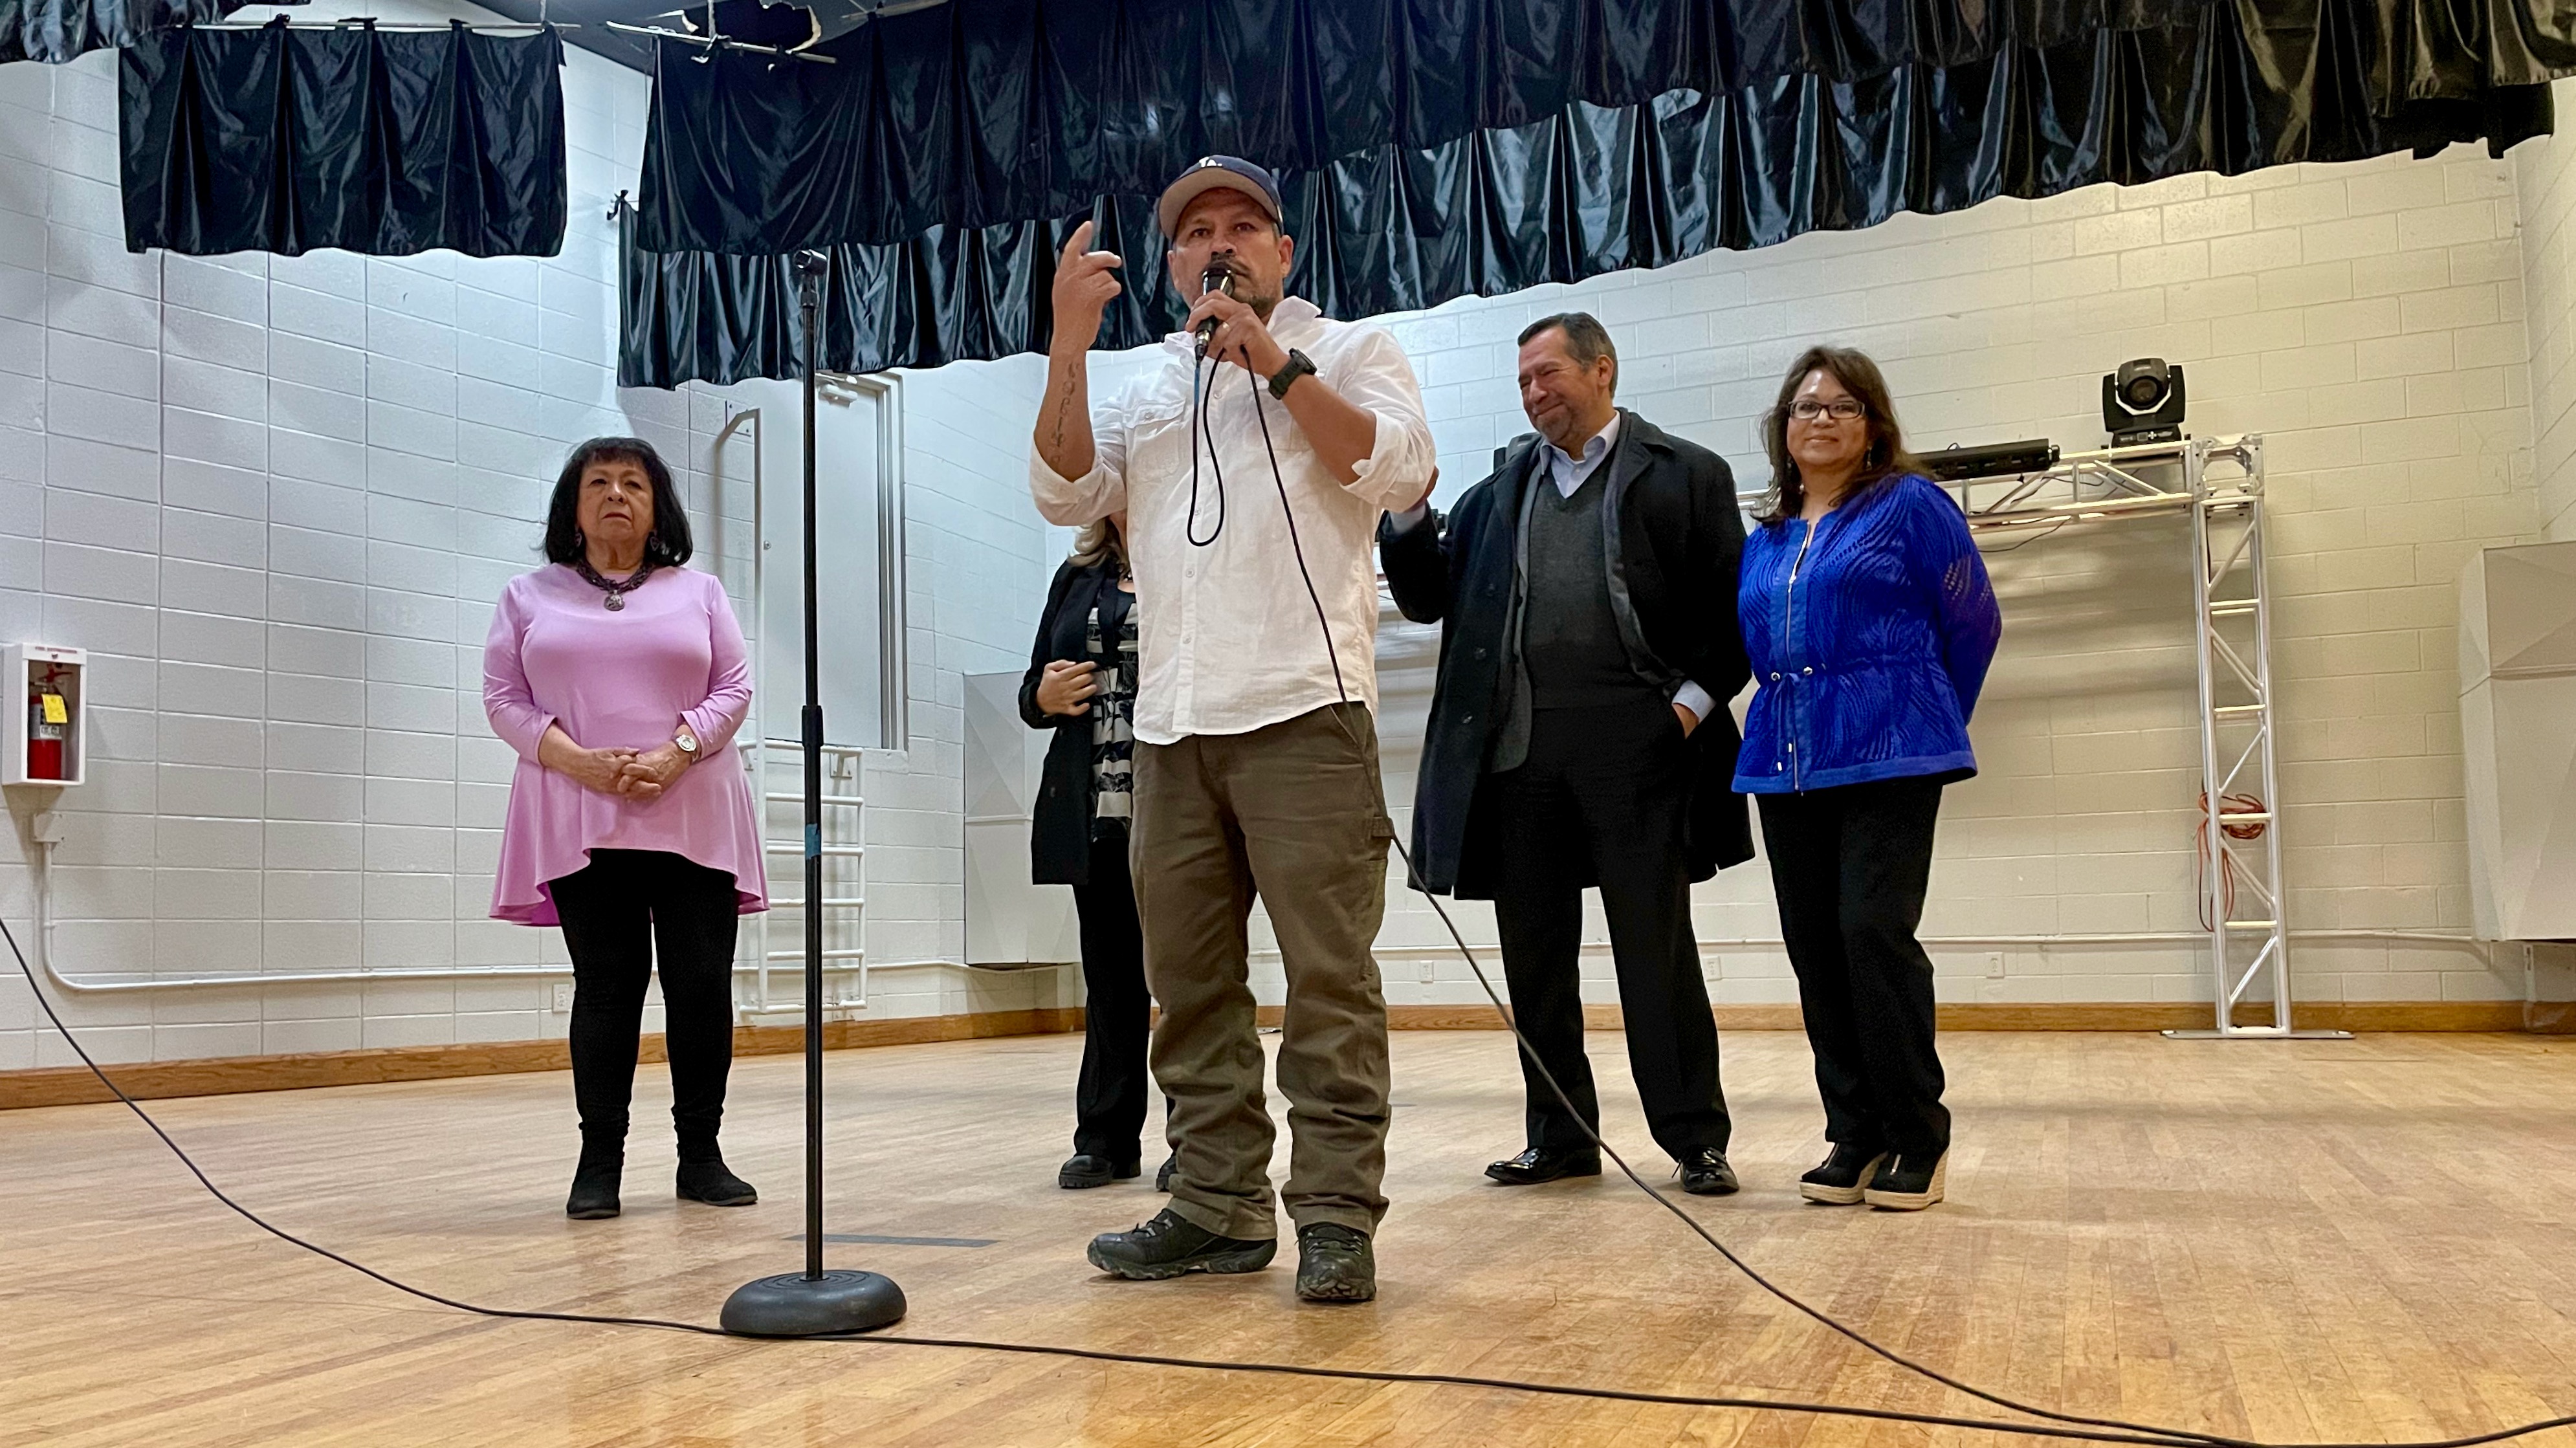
795, 1305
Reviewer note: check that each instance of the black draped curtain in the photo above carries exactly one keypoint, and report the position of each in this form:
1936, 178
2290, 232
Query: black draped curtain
56, 31
1588, 187
984, 111
378, 141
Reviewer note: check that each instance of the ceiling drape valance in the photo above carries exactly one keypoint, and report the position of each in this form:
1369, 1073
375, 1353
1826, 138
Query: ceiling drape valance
1940, 117
377, 141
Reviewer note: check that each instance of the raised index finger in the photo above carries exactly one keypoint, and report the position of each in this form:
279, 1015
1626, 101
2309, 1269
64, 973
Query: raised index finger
1075, 245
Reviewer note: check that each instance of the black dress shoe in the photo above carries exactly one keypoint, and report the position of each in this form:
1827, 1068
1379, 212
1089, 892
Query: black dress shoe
1842, 1176
1534, 1166
1908, 1182
713, 1183
1086, 1169
594, 1188
1335, 1264
1163, 1173
1171, 1246
1706, 1174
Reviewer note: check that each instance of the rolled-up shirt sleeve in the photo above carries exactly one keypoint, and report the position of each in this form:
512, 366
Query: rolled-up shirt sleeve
1072, 502
1377, 378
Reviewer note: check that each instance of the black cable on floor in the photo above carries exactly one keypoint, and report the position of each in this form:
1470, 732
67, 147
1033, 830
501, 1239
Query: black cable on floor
1512, 1024
2141, 1438
2057, 1424
1041, 1349
1467, 953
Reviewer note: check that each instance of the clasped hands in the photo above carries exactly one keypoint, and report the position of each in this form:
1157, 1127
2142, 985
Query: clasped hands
634, 773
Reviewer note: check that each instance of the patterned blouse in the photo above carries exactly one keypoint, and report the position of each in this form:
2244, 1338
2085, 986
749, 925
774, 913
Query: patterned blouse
1113, 711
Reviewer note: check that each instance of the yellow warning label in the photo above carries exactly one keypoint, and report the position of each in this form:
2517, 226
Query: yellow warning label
55, 713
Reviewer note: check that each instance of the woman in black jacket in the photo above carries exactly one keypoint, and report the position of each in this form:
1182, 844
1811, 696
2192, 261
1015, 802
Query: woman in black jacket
1082, 684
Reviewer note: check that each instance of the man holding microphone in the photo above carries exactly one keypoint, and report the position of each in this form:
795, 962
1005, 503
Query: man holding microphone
1252, 481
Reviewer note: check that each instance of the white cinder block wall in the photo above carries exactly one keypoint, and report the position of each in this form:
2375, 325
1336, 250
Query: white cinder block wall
2545, 177
274, 497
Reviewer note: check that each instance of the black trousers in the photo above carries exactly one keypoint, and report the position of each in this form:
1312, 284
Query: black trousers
1850, 866
1109, 1099
1603, 796
619, 913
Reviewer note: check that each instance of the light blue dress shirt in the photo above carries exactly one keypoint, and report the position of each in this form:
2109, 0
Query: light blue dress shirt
1567, 472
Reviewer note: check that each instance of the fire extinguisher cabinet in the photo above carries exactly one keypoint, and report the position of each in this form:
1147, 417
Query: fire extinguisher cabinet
44, 732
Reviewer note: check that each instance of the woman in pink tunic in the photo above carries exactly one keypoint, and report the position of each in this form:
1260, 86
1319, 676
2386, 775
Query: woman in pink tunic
620, 678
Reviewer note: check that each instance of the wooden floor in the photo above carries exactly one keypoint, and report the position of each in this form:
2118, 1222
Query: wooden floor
2365, 1241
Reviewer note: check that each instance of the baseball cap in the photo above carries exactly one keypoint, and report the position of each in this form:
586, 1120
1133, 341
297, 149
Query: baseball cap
1208, 174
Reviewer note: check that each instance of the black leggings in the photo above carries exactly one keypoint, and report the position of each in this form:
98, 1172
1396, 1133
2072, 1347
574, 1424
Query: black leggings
1109, 1100
618, 913
1850, 865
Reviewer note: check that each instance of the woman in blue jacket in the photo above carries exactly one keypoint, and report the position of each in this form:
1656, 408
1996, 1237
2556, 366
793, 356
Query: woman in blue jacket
1869, 624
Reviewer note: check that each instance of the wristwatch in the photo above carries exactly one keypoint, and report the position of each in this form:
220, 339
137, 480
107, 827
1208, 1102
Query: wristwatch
1299, 365
687, 742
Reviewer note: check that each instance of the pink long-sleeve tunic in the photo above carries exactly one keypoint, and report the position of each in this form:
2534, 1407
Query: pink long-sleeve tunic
625, 678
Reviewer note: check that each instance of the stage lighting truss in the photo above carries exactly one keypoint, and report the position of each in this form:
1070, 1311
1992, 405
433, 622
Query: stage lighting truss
2218, 483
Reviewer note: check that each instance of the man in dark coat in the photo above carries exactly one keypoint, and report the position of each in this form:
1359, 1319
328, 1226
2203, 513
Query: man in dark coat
1579, 736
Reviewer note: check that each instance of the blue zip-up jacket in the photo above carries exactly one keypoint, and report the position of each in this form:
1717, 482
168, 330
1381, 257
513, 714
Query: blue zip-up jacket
1869, 635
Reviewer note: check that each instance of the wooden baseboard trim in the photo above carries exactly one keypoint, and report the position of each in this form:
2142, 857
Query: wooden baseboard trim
155, 1080
2071, 1016
74, 1085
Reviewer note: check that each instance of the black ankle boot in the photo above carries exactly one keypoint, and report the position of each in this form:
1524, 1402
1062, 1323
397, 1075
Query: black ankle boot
709, 1181
594, 1184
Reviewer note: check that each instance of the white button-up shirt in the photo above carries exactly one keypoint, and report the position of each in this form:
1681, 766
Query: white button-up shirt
1228, 637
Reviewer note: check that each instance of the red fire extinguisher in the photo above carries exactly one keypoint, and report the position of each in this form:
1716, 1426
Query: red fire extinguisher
48, 725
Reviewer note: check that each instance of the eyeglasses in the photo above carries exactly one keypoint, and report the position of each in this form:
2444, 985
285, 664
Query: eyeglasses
1841, 409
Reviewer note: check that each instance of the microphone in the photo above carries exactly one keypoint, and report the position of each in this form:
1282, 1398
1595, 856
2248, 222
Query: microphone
1217, 278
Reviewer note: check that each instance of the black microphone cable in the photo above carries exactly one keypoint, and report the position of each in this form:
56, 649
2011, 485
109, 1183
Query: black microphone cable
1199, 401
1304, 1370
1217, 277
2057, 1425
1510, 1023
1467, 953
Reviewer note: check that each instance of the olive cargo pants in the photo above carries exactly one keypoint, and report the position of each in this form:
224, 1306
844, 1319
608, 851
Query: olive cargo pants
1294, 813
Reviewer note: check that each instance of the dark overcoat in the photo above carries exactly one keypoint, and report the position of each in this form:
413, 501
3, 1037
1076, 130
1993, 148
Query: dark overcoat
1672, 533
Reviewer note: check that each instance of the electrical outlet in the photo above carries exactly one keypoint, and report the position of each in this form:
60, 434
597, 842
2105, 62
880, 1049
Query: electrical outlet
1994, 965
563, 999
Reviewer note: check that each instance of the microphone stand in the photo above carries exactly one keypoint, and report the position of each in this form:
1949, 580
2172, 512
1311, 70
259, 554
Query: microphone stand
813, 1303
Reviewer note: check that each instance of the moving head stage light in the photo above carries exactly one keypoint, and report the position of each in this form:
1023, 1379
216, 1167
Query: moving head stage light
2142, 402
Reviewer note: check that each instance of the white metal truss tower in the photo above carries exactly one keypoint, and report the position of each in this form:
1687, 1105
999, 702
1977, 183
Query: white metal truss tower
2242, 897
2219, 483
